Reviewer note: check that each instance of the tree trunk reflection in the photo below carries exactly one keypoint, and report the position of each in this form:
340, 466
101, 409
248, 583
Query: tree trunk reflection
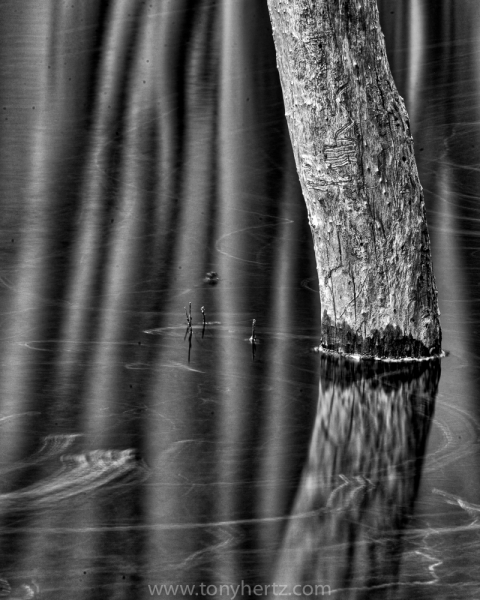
361, 477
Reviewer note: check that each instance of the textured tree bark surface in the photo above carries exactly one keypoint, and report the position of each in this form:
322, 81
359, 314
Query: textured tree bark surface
354, 153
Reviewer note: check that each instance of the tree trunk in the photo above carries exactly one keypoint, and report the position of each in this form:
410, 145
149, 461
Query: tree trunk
354, 153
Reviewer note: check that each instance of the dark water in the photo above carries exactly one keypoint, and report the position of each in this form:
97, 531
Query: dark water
142, 146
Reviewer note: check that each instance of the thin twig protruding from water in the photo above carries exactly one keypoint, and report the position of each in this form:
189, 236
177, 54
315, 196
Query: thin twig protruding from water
189, 321
204, 320
253, 339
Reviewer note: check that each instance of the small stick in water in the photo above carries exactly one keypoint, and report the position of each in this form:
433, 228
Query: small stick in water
189, 315
253, 339
189, 320
204, 320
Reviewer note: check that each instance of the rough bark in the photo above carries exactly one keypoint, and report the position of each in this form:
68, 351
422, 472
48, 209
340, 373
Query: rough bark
354, 153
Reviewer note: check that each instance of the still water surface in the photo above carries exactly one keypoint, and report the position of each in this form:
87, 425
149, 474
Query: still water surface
142, 147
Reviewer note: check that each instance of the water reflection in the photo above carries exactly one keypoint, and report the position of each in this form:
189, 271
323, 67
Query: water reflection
360, 481
143, 147
123, 188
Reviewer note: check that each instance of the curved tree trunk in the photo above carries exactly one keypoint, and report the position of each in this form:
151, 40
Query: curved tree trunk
354, 154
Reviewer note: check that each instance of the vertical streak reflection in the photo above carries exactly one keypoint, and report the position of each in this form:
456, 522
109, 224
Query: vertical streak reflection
416, 60
361, 477
180, 396
233, 147
445, 226
86, 253
287, 396
28, 303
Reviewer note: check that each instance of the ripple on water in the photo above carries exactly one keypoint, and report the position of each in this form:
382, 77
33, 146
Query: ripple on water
79, 473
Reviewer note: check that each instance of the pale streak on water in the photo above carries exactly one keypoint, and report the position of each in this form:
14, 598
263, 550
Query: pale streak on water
416, 60
157, 152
